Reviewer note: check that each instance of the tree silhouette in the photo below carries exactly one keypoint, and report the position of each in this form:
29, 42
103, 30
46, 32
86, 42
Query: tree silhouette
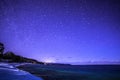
1, 50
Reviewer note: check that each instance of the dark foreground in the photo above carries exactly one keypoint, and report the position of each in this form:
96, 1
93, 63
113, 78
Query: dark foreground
67, 72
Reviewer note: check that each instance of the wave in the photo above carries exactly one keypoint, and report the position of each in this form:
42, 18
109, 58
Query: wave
10, 70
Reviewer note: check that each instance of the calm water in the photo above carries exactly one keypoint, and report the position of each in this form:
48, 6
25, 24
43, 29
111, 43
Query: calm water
86, 72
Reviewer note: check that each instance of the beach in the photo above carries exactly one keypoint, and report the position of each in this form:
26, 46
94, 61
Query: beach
10, 72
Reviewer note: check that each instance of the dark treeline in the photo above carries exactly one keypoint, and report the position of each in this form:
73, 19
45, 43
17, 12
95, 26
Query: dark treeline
11, 57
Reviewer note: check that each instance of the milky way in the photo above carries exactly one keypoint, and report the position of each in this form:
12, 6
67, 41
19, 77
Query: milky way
62, 30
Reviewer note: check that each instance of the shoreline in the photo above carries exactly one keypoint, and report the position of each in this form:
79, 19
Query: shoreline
10, 70
43, 76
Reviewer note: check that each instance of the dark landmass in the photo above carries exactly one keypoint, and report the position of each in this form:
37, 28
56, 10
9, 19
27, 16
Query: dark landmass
58, 64
11, 57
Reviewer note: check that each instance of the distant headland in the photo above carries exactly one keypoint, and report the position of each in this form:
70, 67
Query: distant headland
12, 57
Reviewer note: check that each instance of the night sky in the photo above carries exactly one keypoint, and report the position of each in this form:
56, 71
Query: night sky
61, 30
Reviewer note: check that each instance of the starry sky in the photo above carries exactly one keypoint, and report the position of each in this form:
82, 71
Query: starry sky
61, 30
